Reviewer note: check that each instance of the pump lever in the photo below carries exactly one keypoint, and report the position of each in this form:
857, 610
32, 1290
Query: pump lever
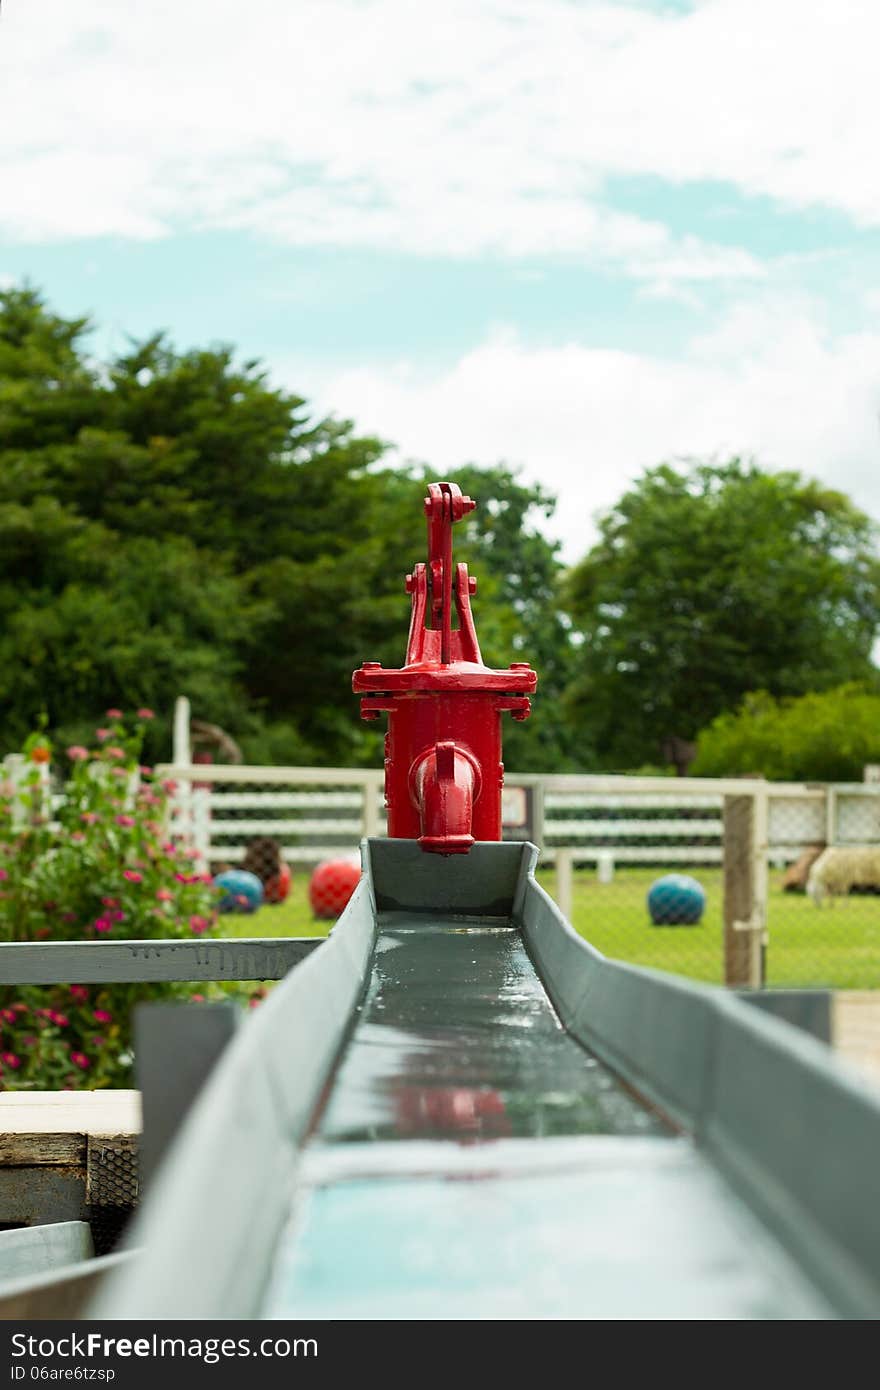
444, 505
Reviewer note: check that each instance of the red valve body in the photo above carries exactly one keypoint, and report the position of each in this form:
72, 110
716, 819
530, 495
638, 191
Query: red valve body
443, 769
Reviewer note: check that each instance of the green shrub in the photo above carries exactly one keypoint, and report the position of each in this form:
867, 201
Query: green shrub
827, 736
95, 864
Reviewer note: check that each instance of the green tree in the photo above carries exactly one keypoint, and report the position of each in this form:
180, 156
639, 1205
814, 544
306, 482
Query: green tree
827, 736
170, 522
708, 584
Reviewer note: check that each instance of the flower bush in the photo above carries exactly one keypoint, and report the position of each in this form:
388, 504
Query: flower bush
97, 864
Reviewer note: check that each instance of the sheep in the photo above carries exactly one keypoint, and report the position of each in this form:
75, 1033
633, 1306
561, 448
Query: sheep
840, 868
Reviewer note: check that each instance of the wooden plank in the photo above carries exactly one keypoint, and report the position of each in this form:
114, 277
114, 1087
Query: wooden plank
345, 801
293, 854
106, 962
635, 854
72, 1113
612, 828
32, 1193
586, 801
273, 776
47, 1150
274, 826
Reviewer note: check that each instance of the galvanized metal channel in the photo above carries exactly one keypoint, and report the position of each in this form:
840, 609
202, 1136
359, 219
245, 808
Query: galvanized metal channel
455, 1108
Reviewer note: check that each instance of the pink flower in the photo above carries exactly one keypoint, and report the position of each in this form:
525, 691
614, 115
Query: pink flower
90, 817
110, 902
102, 1016
115, 751
79, 992
145, 713
102, 734
169, 786
119, 771
127, 821
98, 1040
80, 1059
132, 875
102, 924
61, 1019
70, 916
113, 713
145, 771
77, 837
4, 873
77, 754
10, 1015
197, 998
11, 1060
117, 916
199, 924
165, 895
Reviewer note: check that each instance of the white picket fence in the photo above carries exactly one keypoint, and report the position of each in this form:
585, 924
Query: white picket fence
599, 820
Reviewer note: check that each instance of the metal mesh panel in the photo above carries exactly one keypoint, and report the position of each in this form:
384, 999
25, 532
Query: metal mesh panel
112, 1187
823, 899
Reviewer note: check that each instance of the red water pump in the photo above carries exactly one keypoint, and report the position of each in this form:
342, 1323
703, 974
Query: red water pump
443, 768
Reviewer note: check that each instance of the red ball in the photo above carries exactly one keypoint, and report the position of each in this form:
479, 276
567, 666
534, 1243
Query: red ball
276, 889
331, 886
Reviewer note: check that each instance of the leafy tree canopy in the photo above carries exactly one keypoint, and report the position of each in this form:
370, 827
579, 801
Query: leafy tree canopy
171, 523
712, 582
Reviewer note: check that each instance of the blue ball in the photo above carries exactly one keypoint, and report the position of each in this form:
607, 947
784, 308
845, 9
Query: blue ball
242, 891
676, 900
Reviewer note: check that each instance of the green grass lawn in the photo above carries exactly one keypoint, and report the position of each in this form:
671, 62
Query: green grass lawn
836, 947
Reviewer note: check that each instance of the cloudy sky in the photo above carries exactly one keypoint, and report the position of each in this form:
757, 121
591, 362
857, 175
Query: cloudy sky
580, 237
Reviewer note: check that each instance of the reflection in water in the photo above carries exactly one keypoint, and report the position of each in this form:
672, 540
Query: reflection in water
457, 1039
455, 1111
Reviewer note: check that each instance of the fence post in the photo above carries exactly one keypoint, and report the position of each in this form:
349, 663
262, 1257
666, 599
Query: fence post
760, 859
182, 758
537, 827
564, 876
371, 808
745, 887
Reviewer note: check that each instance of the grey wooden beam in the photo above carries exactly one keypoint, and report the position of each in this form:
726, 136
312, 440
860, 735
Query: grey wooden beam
141, 962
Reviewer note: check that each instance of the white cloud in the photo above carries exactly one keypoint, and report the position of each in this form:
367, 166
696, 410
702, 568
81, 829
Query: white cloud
471, 127
585, 420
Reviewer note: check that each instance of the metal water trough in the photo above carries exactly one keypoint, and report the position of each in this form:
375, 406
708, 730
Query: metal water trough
455, 1107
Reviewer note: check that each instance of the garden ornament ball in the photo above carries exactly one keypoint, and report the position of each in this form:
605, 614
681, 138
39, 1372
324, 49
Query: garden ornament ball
242, 891
676, 900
